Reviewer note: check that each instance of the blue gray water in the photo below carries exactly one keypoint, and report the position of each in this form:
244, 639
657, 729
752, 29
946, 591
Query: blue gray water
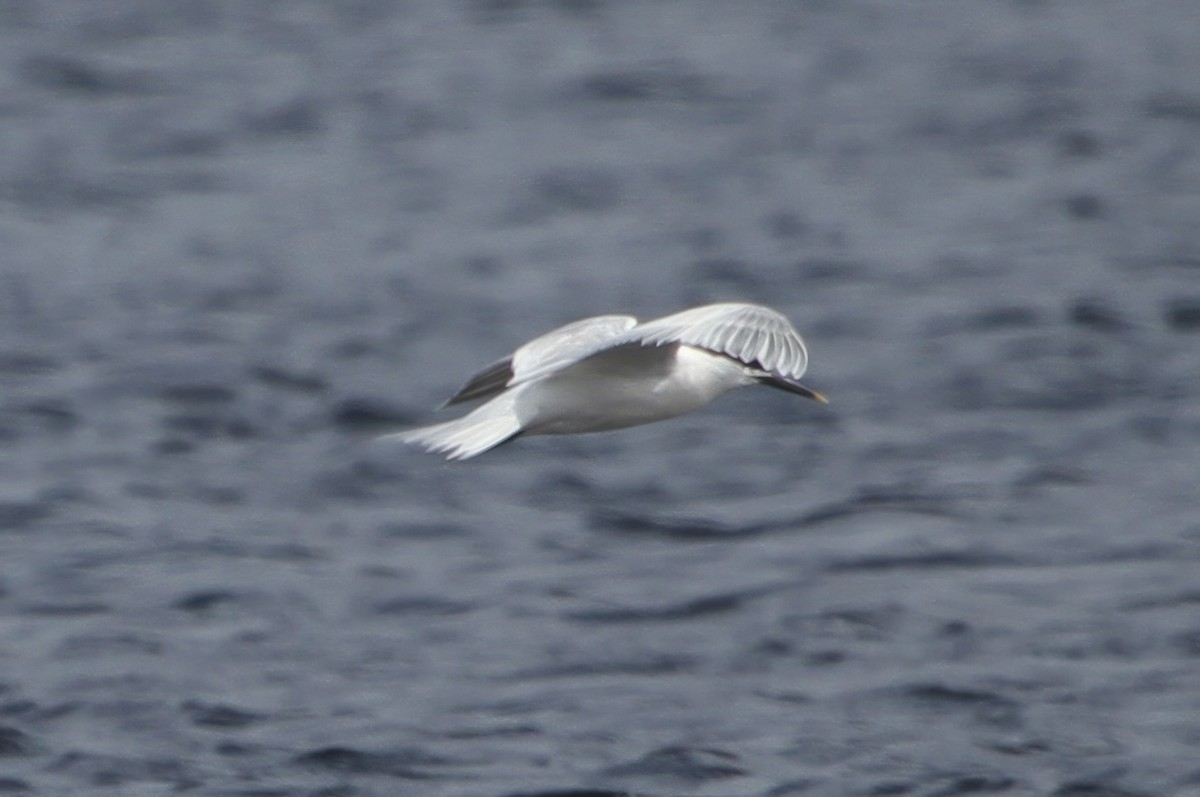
237, 240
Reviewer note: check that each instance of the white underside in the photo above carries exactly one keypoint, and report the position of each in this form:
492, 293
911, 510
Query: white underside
626, 387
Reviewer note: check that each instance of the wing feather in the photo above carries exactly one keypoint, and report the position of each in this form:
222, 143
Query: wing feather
755, 335
491, 381
544, 355
567, 345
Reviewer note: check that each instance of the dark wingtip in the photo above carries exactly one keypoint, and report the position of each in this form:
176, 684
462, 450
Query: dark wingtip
485, 384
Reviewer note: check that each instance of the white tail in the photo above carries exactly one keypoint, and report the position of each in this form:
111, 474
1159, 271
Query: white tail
480, 430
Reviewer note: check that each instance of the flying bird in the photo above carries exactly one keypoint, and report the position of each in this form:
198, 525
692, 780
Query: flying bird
611, 372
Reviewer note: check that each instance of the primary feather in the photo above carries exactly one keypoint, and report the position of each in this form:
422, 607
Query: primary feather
749, 333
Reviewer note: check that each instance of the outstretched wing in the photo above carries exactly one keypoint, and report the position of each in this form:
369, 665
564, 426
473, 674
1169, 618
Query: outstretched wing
545, 355
749, 333
755, 335
568, 345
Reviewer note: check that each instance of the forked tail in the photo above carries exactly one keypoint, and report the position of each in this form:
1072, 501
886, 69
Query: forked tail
480, 430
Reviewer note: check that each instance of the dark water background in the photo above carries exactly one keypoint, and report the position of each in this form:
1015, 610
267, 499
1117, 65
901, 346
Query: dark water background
237, 239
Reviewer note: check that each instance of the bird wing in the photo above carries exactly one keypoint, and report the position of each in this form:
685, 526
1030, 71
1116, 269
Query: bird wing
489, 382
568, 345
755, 335
547, 354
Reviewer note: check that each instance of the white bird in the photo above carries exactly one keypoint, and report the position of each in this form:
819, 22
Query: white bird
610, 372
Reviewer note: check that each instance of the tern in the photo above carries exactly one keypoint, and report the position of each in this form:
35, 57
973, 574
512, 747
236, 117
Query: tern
611, 372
